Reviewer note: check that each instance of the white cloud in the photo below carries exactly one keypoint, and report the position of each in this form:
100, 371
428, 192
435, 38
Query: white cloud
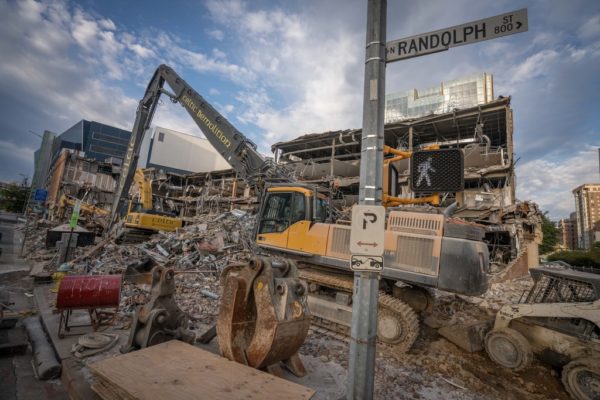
217, 34
534, 66
107, 24
11, 150
218, 54
316, 71
85, 31
224, 10
591, 28
63, 59
142, 51
549, 181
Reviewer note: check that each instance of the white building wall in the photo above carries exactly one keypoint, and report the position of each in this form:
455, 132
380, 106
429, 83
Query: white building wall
180, 151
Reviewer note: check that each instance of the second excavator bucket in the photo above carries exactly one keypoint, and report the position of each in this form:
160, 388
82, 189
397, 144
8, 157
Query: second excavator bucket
263, 317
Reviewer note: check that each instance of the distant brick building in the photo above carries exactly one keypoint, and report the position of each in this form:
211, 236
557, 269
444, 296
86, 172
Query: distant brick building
587, 208
568, 232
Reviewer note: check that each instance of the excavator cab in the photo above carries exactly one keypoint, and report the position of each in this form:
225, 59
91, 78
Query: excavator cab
289, 211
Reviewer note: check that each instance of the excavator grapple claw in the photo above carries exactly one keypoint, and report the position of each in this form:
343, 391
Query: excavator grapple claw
160, 319
263, 317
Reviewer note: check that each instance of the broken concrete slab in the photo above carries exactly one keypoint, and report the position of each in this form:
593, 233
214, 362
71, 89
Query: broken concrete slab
469, 337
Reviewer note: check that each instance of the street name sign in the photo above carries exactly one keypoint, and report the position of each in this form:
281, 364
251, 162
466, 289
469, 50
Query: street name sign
367, 233
459, 35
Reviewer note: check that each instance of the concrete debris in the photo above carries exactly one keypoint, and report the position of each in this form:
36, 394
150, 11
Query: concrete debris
46, 365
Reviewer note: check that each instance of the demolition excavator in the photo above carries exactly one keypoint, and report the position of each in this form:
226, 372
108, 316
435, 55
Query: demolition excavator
422, 249
142, 220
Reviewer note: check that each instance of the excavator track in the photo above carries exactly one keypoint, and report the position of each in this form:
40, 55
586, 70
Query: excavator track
134, 236
398, 324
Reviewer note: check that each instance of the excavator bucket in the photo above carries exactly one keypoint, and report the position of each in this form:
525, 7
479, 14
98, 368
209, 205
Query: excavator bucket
263, 317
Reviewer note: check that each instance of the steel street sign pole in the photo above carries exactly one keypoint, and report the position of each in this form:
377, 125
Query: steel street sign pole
366, 259
366, 283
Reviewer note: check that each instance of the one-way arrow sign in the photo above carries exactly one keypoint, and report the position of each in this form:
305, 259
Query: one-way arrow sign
459, 35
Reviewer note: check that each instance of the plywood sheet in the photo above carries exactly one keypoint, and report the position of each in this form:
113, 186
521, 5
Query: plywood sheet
175, 370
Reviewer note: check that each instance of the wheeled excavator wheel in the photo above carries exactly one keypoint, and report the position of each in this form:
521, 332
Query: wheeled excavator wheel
581, 378
508, 348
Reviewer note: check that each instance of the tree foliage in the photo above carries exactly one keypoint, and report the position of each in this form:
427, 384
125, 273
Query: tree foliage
550, 232
13, 198
579, 258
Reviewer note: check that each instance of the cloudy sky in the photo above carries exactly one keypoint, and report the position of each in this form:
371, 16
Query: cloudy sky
280, 69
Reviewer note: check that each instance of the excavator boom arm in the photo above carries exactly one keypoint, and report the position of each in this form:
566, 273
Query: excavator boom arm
235, 147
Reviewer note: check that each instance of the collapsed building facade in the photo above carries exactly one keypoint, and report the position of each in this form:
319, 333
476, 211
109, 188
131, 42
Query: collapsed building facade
191, 195
75, 176
484, 133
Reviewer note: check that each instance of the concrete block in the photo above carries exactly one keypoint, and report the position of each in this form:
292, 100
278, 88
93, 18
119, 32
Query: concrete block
468, 337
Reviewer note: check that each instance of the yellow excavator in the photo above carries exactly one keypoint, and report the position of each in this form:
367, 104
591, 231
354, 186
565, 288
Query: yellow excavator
142, 219
68, 201
422, 249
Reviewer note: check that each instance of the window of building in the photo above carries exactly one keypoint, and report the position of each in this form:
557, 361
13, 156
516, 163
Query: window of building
161, 136
106, 150
110, 138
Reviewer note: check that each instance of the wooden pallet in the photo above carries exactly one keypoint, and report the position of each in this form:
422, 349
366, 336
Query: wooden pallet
178, 371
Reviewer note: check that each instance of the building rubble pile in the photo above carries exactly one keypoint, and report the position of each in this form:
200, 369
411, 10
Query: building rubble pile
508, 230
34, 232
197, 252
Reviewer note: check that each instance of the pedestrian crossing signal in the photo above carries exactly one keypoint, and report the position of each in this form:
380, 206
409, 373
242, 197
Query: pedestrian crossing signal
433, 171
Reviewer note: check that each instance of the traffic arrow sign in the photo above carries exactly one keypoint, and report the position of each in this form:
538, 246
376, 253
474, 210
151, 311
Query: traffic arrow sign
368, 227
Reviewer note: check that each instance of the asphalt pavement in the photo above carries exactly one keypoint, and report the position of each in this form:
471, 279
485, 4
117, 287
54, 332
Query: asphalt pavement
17, 378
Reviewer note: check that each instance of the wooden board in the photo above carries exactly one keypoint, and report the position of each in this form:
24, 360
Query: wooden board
175, 370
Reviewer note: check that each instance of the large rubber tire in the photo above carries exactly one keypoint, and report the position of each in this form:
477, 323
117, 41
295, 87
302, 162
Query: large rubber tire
397, 324
582, 378
508, 348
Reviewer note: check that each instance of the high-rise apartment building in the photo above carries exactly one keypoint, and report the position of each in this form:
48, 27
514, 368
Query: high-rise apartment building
587, 208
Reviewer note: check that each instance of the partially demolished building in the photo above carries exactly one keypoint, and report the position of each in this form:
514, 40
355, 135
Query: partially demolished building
75, 176
484, 132
191, 195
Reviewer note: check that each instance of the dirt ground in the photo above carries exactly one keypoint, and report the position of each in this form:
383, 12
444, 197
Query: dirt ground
435, 369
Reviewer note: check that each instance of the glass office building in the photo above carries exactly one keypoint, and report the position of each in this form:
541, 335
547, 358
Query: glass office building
459, 93
96, 140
